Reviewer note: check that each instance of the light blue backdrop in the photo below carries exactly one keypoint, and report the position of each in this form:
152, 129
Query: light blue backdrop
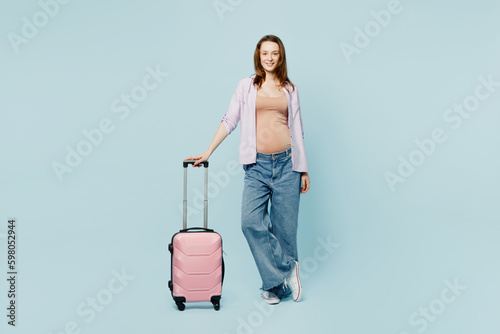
400, 103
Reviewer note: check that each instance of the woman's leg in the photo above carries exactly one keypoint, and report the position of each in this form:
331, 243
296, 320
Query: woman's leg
285, 207
273, 266
285, 199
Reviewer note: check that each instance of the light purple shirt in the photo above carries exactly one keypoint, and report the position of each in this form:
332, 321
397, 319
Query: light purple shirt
242, 107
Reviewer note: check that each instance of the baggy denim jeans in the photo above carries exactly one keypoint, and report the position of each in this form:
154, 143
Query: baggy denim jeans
271, 234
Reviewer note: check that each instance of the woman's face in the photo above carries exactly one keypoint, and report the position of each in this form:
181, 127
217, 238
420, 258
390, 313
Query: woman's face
269, 55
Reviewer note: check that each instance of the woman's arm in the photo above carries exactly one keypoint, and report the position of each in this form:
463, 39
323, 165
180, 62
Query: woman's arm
227, 125
219, 136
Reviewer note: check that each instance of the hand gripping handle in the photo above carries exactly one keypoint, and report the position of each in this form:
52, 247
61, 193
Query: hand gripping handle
186, 163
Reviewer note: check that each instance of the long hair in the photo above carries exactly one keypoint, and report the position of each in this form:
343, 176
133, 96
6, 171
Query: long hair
280, 70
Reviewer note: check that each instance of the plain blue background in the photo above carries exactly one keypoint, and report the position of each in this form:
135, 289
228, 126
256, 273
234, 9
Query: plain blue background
117, 210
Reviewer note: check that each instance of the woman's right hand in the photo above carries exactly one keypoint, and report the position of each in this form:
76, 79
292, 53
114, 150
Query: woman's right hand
199, 159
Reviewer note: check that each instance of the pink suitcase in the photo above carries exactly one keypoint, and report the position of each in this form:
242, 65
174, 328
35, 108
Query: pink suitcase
197, 269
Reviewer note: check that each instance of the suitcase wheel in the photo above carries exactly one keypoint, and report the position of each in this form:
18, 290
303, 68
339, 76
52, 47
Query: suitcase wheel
216, 302
180, 306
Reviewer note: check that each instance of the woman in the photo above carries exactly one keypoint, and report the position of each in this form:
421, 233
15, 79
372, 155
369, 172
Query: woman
273, 156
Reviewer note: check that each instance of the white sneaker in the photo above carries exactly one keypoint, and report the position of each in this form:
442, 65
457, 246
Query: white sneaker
293, 281
269, 297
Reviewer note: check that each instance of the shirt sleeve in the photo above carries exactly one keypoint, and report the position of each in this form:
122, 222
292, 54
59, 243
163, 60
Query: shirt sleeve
297, 114
233, 113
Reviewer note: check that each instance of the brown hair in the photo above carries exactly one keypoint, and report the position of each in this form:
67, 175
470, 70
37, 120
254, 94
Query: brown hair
281, 71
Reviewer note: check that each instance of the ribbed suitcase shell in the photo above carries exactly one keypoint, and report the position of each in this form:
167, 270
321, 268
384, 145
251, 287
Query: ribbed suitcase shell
197, 269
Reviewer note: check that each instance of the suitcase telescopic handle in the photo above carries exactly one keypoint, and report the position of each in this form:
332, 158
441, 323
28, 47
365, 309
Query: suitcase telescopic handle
185, 164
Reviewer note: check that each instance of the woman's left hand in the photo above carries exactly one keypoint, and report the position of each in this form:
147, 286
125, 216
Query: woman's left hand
304, 179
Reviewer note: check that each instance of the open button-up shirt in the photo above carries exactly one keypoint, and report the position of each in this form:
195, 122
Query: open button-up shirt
242, 107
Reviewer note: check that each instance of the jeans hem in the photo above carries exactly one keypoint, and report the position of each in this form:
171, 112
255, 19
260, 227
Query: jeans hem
273, 286
283, 281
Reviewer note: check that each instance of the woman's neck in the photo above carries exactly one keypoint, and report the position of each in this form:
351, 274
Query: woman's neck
270, 76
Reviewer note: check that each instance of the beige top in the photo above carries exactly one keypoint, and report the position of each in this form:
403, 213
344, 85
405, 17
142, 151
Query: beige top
271, 122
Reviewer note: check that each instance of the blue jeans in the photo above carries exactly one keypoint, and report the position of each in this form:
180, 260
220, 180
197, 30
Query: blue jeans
271, 234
